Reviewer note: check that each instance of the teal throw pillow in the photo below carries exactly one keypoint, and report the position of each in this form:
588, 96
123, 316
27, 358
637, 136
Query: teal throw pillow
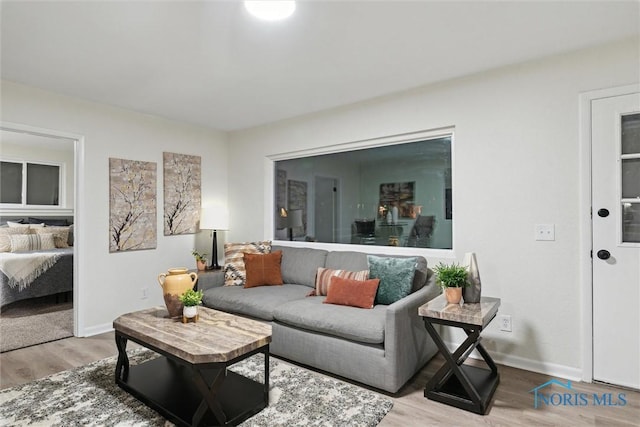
396, 277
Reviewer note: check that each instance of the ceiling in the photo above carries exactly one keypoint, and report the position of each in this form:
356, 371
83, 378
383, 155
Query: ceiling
212, 64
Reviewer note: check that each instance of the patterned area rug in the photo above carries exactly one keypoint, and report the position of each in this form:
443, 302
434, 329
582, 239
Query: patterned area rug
88, 396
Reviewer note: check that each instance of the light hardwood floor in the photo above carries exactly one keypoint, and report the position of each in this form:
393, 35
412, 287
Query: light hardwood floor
512, 404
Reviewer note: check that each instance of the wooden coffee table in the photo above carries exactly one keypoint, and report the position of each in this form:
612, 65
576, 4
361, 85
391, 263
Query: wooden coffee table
189, 383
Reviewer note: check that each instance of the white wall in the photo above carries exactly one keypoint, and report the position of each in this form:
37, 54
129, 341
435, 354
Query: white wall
515, 164
110, 284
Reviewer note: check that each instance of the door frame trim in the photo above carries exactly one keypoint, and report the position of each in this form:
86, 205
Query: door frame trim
585, 223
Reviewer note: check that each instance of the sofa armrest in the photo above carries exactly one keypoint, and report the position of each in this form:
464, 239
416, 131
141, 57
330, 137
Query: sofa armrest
210, 279
407, 343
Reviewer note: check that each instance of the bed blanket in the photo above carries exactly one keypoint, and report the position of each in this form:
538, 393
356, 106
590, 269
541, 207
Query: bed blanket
23, 268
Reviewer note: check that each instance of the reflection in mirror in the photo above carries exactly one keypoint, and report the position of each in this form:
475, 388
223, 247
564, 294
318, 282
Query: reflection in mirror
395, 195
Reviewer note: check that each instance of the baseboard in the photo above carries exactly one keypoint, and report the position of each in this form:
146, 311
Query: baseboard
551, 369
96, 330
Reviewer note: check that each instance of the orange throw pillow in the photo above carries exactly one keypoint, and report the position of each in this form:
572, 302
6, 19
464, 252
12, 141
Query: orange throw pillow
263, 269
355, 293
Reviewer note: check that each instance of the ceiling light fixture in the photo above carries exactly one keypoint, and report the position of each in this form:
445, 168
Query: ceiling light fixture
270, 10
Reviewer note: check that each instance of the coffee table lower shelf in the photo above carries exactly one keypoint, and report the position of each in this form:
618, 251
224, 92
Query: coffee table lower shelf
168, 387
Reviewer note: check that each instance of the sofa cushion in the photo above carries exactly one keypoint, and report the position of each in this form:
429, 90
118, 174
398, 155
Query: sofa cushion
355, 324
263, 269
259, 302
354, 293
324, 276
234, 272
396, 277
299, 265
347, 260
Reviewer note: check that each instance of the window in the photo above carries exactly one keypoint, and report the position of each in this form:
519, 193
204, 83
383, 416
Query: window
398, 194
29, 184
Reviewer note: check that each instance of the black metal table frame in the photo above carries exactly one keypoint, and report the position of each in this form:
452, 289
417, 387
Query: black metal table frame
208, 390
466, 387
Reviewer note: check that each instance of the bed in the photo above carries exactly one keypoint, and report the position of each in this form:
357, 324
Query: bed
34, 273
55, 279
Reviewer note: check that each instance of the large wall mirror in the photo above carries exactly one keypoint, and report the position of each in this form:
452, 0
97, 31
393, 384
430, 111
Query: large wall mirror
392, 195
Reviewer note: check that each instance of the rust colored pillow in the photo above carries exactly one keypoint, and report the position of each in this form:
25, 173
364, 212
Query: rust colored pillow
263, 269
355, 293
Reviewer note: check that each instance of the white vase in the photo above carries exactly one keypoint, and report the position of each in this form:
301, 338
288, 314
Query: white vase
394, 214
190, 311
473, 291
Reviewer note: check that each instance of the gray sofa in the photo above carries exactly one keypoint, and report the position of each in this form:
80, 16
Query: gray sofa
382, 347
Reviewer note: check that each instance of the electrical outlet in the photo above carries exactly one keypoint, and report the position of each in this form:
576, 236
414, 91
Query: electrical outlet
145, 293
505, 323
545, 232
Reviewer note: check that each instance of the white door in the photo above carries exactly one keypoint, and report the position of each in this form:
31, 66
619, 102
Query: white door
615, 177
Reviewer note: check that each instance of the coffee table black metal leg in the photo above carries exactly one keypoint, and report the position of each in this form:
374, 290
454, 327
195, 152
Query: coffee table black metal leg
266, 376
209, 393
122, 365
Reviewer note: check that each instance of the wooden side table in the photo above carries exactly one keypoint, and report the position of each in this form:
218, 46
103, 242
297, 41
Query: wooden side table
463, 386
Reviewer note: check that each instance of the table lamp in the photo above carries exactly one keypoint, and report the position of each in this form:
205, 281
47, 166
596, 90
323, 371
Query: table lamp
214, 218
289, 220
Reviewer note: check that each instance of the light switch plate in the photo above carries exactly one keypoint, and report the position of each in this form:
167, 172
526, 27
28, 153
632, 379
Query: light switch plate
545, 232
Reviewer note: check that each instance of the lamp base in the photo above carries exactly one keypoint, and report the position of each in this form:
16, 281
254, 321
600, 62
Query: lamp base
214, 252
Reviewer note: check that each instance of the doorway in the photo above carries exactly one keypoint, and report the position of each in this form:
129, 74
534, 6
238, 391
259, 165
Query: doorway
326, 209
73, 209
615, 199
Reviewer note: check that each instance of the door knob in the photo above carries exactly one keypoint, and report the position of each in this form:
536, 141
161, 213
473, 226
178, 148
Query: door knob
603, 213
603, 254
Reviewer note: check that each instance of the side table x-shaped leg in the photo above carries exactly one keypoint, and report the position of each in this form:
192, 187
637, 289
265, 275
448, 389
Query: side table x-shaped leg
463, 386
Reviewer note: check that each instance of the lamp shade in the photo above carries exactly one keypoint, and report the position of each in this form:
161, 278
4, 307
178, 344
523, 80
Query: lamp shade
295, 218
282, 219
214, 218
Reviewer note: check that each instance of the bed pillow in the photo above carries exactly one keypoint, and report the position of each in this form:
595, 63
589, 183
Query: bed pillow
324, 276
48, 221
31, 242
263, 269
5, 241
71, 235
60, 235
234, 271
354, 293
19, 225
396, 277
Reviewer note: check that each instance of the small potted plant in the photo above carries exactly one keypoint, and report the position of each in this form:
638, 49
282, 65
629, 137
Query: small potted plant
451, 278
201, 260
191, 300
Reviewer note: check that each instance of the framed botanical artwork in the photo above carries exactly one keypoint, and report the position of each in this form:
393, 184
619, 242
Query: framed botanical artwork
281, 190
182, 193
297, 200
132, 205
